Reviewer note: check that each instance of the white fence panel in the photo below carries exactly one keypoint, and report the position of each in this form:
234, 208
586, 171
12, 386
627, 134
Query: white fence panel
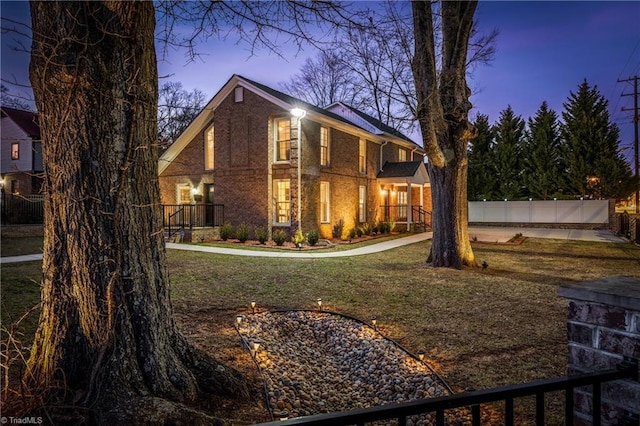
552, 211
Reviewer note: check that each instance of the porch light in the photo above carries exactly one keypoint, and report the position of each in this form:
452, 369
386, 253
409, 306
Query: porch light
383, 192
299, 113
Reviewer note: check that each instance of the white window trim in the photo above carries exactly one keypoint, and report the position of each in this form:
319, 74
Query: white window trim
328, 147
206, 148
362, 203
276, 146
179, 193
275, 202
327, 203
363, 169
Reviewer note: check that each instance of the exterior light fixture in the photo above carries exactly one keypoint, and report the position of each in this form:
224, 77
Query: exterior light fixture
421, 355
319, 301
374, 322
238, 320
299, 113
253, 306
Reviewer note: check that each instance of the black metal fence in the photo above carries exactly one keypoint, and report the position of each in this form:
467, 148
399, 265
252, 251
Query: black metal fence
181, 216
473, 400
21, 209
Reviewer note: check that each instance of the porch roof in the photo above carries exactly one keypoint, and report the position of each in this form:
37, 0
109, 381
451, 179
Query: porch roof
404, 172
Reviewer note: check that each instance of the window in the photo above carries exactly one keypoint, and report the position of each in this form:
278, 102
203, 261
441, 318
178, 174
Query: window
362, 203
283, 139
238, 94
402, 154
282, 196
362, 156
324, 146
15, 151
324, 202
184, 193
402, 205
208, 149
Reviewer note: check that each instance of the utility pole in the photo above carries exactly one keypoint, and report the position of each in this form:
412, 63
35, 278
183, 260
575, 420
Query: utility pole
636, 121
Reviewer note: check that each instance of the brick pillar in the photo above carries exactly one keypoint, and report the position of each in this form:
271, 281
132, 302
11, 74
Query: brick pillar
603, 328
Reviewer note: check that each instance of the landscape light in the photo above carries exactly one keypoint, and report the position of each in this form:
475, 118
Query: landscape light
253, 306
374, 321
238, 320
421, 355
319, 304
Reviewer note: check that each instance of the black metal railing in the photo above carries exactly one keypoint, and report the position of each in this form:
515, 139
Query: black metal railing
473, 400
21, 209
182, 216
405, 213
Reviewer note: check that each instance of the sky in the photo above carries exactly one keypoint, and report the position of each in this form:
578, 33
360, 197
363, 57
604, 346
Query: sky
545, 50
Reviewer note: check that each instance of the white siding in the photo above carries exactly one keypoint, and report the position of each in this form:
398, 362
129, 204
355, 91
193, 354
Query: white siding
11, 133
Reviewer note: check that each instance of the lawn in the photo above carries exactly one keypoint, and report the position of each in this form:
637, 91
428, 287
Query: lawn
479, 328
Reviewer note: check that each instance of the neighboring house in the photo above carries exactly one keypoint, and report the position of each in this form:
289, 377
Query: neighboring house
21, 152
242, 152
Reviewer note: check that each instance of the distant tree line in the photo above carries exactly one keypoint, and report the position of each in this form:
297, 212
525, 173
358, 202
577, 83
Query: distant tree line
545, 157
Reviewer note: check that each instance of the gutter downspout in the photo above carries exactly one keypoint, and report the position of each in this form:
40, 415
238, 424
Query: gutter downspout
412, 151
382, 146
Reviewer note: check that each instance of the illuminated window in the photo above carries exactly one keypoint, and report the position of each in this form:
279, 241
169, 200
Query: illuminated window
282, 198
362, 203
184, 193
362, 156
402, 154
402, 205
324, 202
324, 146
15, 151
208, 149
283, 139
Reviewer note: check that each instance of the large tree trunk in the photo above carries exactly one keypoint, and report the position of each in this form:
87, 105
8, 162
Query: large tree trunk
442, 111
106, 335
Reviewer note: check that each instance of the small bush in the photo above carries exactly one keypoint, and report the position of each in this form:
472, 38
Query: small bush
242, 232
338, 229
226, 231
366, 229
261, 234
279, 237
359, 232
298, 238
352, 233
313, 237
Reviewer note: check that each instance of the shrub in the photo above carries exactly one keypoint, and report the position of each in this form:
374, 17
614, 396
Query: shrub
338, 229
359, 232
279, 237
242, 232
261, 234
312, 238
298, 238
367, 229
352, 233
226, 231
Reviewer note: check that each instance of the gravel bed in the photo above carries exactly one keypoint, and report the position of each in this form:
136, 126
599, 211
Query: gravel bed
318, 362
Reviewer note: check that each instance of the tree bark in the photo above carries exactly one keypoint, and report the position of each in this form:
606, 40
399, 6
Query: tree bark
442, 111
106, 333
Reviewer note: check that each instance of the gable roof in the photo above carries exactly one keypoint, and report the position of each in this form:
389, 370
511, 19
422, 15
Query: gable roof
26, 120
286, 102
416, 171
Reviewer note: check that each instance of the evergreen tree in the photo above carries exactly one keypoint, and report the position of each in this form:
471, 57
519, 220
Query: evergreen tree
481, 178
595, 169
542, 160
509, 136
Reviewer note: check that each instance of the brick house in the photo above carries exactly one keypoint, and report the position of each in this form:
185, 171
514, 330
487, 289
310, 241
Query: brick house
21, 156
242, 152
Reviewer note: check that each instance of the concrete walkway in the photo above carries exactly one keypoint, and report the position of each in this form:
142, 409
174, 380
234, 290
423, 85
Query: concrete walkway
488, 234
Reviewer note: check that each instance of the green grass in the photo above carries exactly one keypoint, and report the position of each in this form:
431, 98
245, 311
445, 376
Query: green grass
17, 240
479, 329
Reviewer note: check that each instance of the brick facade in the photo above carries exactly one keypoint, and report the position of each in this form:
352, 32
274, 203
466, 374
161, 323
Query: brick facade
603, 329
245, 168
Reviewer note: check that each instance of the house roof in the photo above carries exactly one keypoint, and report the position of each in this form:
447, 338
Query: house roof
26, 120
282, 100
415, 171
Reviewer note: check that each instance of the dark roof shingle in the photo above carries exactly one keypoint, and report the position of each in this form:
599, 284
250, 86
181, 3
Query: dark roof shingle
27, 120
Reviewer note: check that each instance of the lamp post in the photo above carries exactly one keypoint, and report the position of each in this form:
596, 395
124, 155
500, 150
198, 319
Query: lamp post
299, 113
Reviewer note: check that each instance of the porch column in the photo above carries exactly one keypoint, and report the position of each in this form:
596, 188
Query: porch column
409, 206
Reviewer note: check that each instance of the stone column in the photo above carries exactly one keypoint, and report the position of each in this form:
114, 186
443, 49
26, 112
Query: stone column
603, 328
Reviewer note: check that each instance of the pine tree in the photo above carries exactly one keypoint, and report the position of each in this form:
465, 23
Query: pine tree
595, 169
481, 179
542, 160
509, 136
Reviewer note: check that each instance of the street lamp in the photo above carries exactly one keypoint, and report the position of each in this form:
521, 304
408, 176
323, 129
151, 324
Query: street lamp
299, 113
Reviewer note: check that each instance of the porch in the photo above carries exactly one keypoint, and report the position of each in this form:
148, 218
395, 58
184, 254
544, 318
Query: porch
414, 217
182, 218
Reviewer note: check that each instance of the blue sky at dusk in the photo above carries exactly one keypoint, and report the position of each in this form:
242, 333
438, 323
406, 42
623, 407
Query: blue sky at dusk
544, 51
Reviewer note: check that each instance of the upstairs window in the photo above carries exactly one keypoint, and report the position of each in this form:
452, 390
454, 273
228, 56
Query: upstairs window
402, 154
324, 146
15, 151
209, 149
362, 156
283, 139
